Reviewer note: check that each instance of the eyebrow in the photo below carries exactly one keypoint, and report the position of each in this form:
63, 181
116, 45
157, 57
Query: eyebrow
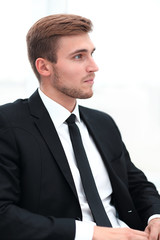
81, 50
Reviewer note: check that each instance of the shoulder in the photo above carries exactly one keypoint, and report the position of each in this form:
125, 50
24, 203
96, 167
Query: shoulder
99, 121
96, 115
11, 114
102, 127
21, 106
11, 109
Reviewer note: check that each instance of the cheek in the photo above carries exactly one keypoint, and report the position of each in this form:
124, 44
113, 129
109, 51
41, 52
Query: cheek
71, 73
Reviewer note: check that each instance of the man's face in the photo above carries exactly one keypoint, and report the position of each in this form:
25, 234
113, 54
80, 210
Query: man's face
73, 74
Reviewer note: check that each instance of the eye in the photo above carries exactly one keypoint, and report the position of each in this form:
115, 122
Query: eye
78, 56
92, 53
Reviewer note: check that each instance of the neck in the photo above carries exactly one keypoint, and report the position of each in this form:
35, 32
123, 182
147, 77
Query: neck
62, 99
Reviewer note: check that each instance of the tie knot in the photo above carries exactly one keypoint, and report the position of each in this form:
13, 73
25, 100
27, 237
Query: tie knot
71, 119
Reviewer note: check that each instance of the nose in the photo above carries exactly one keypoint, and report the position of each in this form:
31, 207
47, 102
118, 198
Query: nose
92, 66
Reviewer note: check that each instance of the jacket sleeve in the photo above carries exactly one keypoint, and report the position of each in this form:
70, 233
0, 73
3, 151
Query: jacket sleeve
144, 193
16, 222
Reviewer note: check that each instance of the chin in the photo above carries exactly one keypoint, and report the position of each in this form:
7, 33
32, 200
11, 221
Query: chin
85, 96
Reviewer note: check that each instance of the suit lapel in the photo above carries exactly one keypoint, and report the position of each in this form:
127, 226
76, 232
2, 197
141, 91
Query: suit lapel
122, 198
46, 127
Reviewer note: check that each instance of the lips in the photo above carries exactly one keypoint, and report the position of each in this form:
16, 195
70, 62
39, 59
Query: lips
91, 81
89, 78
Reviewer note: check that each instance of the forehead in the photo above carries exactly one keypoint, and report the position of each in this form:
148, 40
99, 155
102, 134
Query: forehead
69, 44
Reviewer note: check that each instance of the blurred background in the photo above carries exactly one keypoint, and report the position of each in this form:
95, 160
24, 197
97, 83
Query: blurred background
127, 39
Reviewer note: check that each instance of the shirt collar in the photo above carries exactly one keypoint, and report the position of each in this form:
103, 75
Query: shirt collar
57, 112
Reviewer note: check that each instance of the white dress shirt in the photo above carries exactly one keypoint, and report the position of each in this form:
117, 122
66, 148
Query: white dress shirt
59, 114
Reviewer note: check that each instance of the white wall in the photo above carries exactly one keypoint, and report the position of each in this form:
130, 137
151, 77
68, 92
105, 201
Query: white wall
16, 17
127, 36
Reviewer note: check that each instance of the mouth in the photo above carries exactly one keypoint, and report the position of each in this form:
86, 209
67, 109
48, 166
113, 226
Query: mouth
90, 79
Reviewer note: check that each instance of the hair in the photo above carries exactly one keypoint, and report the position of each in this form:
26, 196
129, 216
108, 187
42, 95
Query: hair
42, 38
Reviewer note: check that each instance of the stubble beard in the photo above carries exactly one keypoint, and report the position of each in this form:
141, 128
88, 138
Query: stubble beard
76, 93
71, 92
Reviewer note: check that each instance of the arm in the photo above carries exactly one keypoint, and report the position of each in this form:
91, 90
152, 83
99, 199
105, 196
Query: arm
103, 233
153, 229
144, 193
15, 221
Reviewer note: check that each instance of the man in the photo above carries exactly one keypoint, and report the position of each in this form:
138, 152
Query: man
41, 192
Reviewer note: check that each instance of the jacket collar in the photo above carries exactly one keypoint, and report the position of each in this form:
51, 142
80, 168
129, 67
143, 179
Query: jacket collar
47, 129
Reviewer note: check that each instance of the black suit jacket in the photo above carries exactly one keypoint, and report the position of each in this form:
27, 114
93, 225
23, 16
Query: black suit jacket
38, 198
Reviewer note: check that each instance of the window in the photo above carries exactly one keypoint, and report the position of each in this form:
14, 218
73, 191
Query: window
126, 35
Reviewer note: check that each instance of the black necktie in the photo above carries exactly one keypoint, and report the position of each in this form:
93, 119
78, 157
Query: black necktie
87, 179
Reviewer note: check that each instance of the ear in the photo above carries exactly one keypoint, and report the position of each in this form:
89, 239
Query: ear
43, 67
